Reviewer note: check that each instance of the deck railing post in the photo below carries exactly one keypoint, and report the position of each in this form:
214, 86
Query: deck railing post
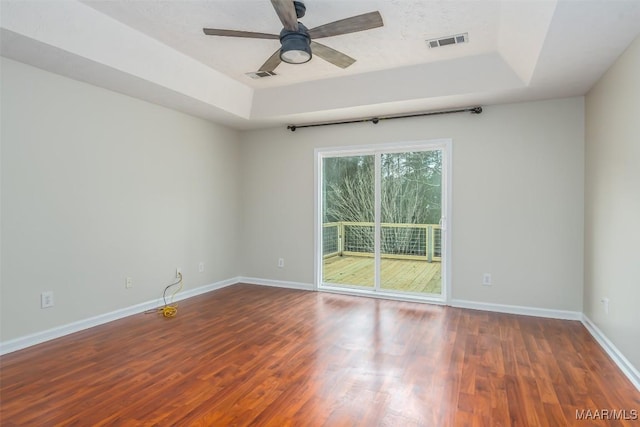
340, 238
428, 243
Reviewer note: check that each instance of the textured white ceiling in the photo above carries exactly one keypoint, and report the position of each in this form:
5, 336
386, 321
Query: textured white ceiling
155, 50
400, 42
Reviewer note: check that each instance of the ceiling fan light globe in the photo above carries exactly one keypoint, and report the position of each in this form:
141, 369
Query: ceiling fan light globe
296, 46
295, 56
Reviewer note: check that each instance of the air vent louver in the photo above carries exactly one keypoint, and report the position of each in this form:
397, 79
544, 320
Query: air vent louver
261, 74
449, 40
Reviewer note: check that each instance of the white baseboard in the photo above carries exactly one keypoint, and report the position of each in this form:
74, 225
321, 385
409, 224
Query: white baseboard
204, 289
517, 309
623, 363
276, 283
60, 331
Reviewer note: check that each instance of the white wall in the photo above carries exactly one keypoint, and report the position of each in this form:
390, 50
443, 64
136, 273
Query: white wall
612, 204
518, 175
97, 186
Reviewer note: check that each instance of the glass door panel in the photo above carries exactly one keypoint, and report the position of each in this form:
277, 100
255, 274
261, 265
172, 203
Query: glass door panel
410, 211
348, 212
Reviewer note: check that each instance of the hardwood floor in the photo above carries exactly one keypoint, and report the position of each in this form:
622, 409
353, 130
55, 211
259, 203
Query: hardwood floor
250, 355
396, 274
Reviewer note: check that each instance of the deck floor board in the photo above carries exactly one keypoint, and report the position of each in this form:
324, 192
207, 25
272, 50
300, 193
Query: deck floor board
396, 274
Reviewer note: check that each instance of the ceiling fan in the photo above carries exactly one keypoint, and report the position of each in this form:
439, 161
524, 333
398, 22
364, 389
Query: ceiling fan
297, 42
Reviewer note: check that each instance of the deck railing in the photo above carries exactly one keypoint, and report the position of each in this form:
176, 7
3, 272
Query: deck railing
402, 241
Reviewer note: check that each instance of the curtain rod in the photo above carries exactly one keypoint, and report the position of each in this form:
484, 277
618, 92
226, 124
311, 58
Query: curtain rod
376, 120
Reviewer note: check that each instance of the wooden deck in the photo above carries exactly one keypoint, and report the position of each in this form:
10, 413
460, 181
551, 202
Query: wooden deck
397, 274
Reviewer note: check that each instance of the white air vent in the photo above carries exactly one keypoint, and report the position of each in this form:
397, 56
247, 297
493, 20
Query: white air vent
261, 74
445, 41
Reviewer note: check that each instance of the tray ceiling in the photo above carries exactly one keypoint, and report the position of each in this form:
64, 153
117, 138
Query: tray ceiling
156, 50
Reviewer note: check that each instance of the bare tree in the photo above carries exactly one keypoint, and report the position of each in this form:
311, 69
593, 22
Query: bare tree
410, 194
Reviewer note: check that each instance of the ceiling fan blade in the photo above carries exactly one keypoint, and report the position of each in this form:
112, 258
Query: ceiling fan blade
237, 33
287, 13
354, 24
331, 55
271, 63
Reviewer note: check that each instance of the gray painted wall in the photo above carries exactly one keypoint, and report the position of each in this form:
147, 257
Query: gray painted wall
97, 187
612, 204
518, 173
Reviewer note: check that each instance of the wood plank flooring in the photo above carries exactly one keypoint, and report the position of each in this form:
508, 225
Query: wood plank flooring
396, 274
257, 356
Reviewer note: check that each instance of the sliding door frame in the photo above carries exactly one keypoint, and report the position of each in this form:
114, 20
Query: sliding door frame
445, 145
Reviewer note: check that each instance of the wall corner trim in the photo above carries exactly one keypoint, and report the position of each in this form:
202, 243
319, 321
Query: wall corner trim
60, 331
623, 363
517, 309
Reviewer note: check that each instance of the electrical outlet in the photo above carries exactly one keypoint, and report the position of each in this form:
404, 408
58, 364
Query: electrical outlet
201, 267
128, 283
46, 299
280, 262
178, 272
486, 279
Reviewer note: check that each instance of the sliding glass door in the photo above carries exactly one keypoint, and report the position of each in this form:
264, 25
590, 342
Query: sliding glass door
411, 209
348, 214
382, 220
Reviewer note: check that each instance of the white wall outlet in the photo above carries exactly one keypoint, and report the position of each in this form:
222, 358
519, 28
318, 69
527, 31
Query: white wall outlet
46, 299
178, 272
201, 267
486, 279
605, 305
128, 283
280, 262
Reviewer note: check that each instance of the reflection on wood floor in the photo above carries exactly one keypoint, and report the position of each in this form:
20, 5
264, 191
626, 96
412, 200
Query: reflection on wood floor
397, 274
264, 356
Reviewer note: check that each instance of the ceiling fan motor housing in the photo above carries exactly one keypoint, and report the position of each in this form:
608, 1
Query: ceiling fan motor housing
296, 45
